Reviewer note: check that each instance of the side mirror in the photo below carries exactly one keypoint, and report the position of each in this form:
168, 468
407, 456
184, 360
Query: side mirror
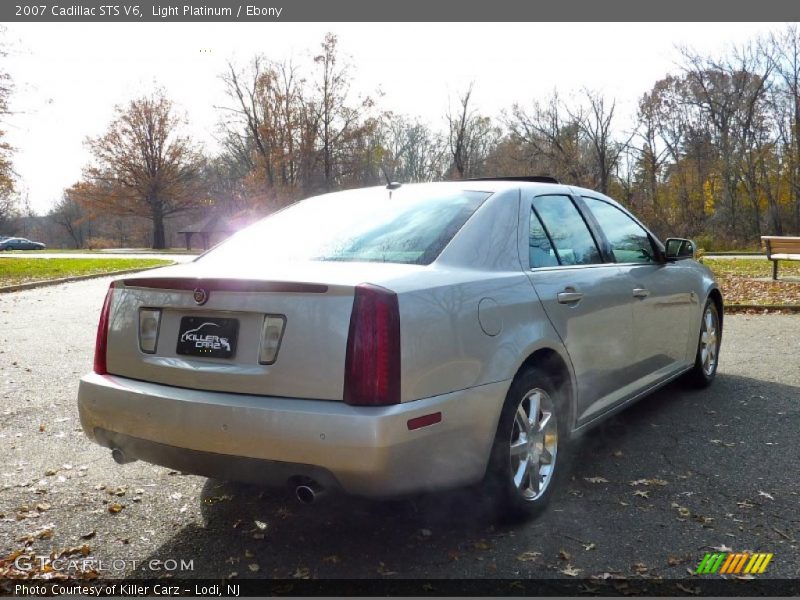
678, 249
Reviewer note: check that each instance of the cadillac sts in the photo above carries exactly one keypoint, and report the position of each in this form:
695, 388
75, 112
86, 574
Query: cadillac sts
394, 340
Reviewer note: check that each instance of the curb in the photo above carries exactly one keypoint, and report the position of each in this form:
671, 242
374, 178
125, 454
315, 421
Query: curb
46, 282
735, 308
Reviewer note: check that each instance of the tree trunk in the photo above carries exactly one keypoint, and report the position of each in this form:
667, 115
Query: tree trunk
159, 239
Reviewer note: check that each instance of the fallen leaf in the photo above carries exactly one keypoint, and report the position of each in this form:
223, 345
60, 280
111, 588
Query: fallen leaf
261, 525
722, 548
642, 493
589, 546
529, 556
89, 535
253, 567
249, 554
766, 495
115, 507
570, 571
384, 571
302, 573
83, 549
640, 568
596, 479
564, 555
650, 481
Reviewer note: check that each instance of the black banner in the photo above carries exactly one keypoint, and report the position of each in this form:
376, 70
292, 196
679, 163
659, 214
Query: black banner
711, 586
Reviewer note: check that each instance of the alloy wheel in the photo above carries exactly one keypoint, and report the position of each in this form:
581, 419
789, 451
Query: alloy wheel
709, 341
534, 444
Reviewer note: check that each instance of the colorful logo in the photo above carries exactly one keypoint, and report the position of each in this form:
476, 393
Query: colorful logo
734, 563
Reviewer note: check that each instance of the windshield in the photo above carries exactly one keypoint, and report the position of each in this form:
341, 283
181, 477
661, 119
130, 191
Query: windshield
412, 226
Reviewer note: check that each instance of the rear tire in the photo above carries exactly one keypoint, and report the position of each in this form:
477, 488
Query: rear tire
528, 454
708, 346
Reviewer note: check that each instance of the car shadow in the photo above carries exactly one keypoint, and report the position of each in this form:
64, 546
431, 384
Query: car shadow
248, 532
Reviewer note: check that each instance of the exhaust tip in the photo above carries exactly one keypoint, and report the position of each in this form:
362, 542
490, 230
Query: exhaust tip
120, 457
307, 493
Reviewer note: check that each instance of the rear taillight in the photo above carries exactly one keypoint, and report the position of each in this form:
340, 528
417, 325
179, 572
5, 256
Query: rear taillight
372, 364
101, 342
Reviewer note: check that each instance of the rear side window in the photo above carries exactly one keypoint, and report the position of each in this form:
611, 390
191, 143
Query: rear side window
542, 253
629, 241
564, 229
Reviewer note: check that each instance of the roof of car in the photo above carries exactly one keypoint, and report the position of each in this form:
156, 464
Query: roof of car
502, 184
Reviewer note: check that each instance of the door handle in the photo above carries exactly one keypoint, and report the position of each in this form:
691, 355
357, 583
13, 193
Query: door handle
570, 297
640, 293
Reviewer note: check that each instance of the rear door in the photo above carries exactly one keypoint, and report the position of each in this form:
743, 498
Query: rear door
661, 294
586, 300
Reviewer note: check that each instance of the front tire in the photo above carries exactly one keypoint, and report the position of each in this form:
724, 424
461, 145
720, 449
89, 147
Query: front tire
708, 346
528, 450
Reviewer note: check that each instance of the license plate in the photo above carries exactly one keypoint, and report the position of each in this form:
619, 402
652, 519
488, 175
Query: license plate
207, 336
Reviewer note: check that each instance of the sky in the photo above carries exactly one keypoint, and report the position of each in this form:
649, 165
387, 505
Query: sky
69, 76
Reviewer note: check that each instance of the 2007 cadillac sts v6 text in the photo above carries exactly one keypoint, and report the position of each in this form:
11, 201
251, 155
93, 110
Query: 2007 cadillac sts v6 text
386, 341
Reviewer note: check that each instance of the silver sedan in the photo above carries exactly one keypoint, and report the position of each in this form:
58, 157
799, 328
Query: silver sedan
387, 341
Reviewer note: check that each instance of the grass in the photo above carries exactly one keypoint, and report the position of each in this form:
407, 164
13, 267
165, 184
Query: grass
107, 251
740, 281
21, 270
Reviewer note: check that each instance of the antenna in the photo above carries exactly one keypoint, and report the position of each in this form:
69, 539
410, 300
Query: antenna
390, 185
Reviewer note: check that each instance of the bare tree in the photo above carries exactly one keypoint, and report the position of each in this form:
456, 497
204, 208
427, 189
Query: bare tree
550, 136
471, 137
594, 121
70, 215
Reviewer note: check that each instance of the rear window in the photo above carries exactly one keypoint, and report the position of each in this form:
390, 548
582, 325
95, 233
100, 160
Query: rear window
412, 226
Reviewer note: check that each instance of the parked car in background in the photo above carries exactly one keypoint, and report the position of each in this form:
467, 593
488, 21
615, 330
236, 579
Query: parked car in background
16, 243
390, 341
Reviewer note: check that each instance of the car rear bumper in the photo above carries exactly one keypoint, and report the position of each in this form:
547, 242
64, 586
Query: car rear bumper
368, 451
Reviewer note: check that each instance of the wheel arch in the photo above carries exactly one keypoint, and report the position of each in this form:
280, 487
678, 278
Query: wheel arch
556, 366
716, 296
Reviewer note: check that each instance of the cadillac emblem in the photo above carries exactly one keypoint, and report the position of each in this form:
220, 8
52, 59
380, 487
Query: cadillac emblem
200, 296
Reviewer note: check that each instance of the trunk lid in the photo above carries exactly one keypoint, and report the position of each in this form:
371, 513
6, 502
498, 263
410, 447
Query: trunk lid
314, 300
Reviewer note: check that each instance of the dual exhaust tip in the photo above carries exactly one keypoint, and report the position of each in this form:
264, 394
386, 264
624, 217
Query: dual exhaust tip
306, 493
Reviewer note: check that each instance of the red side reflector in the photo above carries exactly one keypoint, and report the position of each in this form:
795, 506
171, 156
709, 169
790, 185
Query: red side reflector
424, 421
101, 342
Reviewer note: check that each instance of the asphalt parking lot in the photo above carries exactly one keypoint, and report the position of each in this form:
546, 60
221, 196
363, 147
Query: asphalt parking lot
652, 490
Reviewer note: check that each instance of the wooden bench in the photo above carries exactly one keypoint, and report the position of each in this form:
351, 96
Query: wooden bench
780, 248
